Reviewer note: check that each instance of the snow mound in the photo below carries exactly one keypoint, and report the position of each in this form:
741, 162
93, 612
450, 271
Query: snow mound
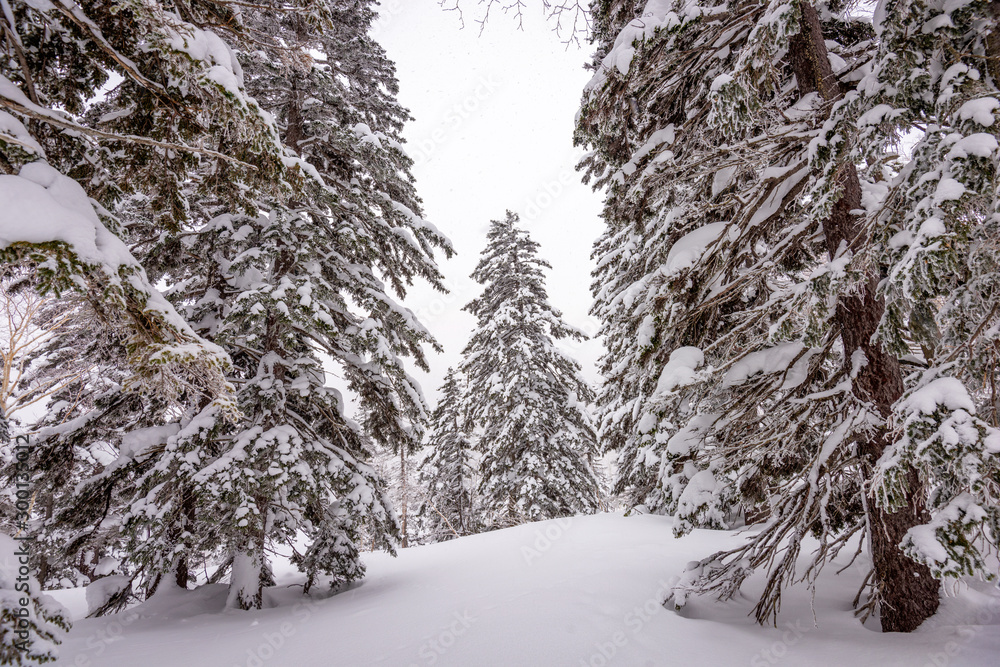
103, 589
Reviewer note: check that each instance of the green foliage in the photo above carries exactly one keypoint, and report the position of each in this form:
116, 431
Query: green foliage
524, 397
252, 159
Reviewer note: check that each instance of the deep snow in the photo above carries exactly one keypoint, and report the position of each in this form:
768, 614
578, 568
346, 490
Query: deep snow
575, 592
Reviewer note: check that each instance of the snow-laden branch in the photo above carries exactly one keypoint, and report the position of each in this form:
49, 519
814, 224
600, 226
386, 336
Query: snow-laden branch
12, 98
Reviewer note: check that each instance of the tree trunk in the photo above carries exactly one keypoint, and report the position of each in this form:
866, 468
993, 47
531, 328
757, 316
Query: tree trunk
246, 584
908, 592
405, 492
246, 587
188, 507
295, 125
993, 44
44, 567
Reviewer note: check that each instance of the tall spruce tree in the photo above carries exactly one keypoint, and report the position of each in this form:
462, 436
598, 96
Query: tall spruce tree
298, 267
449, 474
937, 73
526, 398
753, 365
307, 277
68, 160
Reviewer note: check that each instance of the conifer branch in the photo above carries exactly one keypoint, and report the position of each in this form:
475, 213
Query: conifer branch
51, 118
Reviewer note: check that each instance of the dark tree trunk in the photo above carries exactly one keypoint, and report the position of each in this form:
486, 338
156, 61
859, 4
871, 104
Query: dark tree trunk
405, 495
44, 567
295, 131
295, 125
993, 44
188, 506
908, 592
181, 573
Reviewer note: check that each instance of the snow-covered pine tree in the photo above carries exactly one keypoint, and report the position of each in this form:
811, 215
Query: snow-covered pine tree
739, 285
305, 277
525, 396
937, 75
180, 105
178, 126
448, 474
291, 461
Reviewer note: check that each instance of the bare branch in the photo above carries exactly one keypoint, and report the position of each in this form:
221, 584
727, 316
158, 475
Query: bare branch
22, 335
570, 18
454, 7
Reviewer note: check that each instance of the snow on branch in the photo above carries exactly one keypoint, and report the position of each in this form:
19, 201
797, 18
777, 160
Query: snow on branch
48, 220
12, 98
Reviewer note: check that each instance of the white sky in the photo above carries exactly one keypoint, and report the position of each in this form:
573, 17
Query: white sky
493, 130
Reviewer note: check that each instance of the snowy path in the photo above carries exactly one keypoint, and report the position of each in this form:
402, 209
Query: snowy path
580, 592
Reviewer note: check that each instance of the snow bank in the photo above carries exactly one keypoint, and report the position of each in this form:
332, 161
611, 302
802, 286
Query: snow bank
102, 590
581, 592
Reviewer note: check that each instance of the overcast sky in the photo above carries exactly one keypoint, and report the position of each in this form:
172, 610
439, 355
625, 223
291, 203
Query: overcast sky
493, 130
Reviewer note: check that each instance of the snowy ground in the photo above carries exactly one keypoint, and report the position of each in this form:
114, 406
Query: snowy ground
578, 592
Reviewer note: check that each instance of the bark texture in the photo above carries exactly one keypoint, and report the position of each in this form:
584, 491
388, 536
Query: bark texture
993, 44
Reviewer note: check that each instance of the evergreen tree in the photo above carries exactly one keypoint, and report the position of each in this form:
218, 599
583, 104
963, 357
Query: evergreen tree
29, 634
525, 396
358, 226
449, 474
294, 269
937, 69
754, 367
31, 623
180, 107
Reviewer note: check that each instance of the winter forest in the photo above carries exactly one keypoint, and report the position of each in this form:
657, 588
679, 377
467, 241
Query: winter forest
499, 332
